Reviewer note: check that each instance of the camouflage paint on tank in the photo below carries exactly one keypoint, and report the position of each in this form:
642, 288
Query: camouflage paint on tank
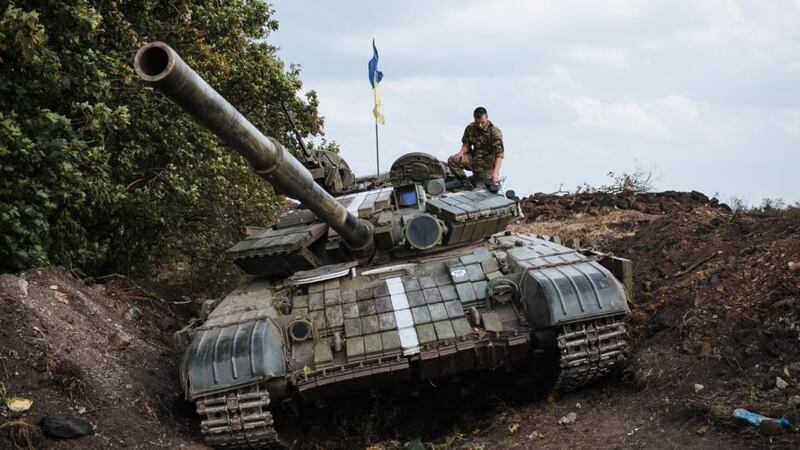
402, 278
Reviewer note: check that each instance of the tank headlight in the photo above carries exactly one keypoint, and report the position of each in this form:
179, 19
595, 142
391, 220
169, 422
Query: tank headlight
423, 232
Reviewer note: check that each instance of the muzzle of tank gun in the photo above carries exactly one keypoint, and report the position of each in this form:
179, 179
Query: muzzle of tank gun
158, 65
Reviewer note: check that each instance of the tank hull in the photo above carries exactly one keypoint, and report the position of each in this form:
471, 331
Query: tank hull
409, 322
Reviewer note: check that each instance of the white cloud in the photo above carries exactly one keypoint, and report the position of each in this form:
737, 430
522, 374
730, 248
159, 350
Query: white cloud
458, 27
673, 119
682, 106
623, 117
584, 53
554, 77
789, 121
756, 33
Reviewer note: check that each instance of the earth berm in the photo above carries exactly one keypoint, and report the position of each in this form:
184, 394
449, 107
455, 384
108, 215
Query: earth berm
716, 325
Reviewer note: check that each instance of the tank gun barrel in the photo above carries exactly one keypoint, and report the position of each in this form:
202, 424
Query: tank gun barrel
158, 65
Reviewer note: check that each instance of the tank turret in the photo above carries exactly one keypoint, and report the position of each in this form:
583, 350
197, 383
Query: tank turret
160, 66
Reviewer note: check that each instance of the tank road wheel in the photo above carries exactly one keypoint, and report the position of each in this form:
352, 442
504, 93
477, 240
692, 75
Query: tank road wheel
589, 350
238, 419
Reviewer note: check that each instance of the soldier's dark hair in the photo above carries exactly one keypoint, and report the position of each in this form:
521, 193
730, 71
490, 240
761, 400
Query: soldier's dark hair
479, 112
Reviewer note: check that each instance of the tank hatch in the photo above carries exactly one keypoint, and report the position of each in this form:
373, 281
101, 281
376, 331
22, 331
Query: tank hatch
420, 169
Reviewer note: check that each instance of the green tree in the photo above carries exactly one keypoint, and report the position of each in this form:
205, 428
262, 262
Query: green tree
101, 174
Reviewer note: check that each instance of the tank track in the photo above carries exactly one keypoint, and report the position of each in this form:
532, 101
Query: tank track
238, 419
589, 350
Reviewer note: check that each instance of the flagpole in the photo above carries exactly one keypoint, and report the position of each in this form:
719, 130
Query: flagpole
377, 152
375, 78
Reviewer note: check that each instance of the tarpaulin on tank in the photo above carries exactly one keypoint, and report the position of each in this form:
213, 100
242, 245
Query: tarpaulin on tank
232, 355
565, 293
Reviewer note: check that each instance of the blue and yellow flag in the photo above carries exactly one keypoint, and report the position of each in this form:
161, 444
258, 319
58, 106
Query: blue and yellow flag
375, 77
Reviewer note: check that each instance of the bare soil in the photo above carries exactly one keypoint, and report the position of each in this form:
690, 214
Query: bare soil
716, 321
55, 350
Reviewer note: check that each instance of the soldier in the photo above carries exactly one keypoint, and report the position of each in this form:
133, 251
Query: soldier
481, 150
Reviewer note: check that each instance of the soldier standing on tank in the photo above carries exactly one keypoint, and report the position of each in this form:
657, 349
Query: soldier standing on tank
481, 150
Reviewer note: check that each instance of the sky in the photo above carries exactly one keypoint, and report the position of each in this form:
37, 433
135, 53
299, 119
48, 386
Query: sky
704, 94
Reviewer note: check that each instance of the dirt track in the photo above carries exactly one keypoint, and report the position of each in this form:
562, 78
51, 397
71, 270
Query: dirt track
728, 321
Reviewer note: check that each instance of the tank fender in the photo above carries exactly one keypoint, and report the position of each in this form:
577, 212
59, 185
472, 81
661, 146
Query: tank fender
231, 355
567, 293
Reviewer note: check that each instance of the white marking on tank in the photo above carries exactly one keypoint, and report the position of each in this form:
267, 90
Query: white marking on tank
357, 201
458, 272
400, 301
404, 319
395, 286
402, 315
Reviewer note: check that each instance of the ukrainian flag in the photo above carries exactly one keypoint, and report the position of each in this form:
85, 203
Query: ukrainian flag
375, 77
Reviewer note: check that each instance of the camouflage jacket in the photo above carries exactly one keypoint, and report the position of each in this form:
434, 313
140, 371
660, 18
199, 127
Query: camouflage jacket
485, 146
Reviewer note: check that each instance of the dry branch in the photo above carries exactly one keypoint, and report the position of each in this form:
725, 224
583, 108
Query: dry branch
695, 265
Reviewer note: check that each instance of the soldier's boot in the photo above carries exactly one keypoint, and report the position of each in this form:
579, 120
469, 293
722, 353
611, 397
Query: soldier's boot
480, 178
457, 167
492, 187
458, 183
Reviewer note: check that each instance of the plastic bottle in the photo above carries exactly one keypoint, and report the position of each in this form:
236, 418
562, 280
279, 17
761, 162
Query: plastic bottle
756, 419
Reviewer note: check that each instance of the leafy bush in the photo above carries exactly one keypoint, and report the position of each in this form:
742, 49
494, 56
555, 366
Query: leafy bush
99, 173
637, 182
767, 208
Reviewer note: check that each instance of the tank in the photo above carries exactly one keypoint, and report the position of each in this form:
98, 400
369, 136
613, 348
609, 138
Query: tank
397, 280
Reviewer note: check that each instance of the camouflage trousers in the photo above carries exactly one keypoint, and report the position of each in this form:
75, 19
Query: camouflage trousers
479, 172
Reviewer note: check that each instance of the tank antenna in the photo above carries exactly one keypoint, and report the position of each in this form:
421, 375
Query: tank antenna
297, 134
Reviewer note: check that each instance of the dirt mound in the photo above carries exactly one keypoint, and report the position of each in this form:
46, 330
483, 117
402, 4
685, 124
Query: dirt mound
717, 316
551, 206
715, 326
55, 350
718, 303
